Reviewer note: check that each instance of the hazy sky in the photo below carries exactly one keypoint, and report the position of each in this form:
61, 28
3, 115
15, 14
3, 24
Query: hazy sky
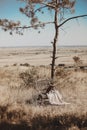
72, 33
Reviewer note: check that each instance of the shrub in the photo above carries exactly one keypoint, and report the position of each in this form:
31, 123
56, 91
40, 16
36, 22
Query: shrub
25, 64
29, 77
77, 60
60, 72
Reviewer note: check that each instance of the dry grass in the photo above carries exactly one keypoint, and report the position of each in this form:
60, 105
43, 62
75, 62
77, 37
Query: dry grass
18, 104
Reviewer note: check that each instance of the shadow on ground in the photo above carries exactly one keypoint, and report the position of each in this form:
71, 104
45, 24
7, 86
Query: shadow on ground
23, 126
7, 126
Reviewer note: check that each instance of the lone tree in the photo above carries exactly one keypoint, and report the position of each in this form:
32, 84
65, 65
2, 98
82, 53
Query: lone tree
32, 9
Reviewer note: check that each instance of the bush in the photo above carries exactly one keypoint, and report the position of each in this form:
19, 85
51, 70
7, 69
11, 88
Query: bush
77, 60
60, 72
25, 64
29, 77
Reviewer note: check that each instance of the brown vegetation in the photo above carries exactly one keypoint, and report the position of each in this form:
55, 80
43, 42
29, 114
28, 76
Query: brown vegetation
20, 109
23, 81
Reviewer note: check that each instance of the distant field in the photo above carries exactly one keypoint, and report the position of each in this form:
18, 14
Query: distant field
40, 55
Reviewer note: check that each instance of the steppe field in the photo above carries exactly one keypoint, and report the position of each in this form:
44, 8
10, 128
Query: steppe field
25, 75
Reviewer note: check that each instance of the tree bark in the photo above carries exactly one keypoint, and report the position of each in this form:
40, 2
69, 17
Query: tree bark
54, 44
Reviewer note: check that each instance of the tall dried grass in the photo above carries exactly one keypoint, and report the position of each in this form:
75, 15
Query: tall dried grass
18, 103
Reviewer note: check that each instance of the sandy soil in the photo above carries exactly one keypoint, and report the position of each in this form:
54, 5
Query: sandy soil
40, 55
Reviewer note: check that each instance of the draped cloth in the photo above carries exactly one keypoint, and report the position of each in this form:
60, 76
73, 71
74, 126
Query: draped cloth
55, 98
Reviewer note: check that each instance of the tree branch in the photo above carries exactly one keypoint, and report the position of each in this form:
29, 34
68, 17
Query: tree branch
40, 8
75, 17
48, 4
33, 26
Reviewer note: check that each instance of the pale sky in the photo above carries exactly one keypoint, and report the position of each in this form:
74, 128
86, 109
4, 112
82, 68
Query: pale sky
72, 33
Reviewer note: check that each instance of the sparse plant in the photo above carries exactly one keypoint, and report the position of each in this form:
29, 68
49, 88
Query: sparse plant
60, 72
15, 64
77, 61
25, 64
29, 77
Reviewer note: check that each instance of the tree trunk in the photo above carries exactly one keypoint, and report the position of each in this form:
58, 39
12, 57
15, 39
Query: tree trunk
54, 44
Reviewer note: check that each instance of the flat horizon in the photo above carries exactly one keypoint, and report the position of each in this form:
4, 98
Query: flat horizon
42, 46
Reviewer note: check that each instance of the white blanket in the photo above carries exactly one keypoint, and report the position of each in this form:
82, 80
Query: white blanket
55, 98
